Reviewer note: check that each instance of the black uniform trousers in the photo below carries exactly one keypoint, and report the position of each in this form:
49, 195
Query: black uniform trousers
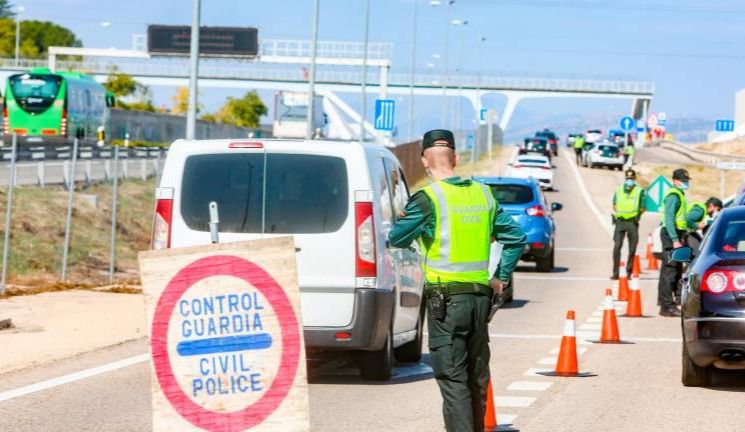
578, 155
628, 228
459, 349
668, 288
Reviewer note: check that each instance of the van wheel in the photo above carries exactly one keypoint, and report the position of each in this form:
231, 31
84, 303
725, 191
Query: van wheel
378, 365
411, 351
693, 375
545, 265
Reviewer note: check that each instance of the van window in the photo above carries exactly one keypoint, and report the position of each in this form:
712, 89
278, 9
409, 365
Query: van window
304, 193
399, 190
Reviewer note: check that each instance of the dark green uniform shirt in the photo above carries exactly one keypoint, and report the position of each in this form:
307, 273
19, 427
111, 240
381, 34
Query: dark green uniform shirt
419, 220
694, 217
672, 203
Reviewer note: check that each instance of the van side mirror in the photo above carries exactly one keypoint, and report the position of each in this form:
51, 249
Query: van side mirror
682, 254
556, 206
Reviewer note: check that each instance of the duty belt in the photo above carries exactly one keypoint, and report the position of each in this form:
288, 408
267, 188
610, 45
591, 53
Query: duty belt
454, 288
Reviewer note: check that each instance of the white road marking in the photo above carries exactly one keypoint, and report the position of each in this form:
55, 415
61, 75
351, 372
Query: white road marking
513, 401
590, 326
506, 419
580, 335
602, 219
532, 372
529, 385
551, 361
560, 278
76, 376
598, 313
578, 249
594, 319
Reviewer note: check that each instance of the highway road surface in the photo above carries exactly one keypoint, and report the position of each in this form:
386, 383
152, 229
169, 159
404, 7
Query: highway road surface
637, 387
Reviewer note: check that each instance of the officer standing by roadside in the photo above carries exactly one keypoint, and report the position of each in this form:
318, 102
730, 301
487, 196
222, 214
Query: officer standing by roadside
628, 154
628, 207
579, 142
700, 216
454, 220
674, 232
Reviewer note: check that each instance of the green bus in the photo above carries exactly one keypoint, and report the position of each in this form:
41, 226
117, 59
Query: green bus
45, 107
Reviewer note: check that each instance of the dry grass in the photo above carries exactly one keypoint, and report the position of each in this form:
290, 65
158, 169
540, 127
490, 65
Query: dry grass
732, 147
705, 181
38, 229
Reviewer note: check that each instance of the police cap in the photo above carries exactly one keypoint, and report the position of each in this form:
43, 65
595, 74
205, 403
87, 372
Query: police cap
429, 138
681, 174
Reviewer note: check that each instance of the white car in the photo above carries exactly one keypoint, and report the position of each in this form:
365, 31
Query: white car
593, 135
533, 165
606, 154
338, 200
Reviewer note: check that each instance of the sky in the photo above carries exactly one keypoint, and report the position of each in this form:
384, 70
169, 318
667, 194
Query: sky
691, 49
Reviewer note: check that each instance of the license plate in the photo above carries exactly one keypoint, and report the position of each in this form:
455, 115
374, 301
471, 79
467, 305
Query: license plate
37, 155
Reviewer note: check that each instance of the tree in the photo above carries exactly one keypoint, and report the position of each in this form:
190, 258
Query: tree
243, 112
121, 84
181, 101
124, 86
6, 9
36, 37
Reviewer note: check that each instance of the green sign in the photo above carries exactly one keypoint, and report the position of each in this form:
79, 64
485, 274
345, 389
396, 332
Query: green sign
656, 193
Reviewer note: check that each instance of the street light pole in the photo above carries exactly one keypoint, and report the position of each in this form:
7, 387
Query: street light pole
413, 71
363, 113
191, 113
19, 9
312, 78
445, 73
457, 105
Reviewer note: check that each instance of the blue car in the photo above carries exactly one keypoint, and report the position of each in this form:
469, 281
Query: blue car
525, 202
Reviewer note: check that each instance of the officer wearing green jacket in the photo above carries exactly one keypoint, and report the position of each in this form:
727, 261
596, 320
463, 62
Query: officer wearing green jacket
699, 217
455, 220
628, 154
579, 142
674, 214
628, 207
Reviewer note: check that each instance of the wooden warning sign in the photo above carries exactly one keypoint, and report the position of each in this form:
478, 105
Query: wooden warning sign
226, 337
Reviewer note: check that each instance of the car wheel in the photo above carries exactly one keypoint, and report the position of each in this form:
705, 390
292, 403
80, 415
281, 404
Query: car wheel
411, 352
693, 375
378, 365
545, 265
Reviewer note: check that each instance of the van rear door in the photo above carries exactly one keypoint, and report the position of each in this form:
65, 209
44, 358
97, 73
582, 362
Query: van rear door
273, 193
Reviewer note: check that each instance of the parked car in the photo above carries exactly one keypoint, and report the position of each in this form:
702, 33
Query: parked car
533, 165
536, 145
526, 203
338, 200
593, 135
553, 140
713, 300
604, 154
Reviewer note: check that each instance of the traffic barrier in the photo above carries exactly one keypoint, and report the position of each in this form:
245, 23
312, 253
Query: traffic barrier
566, 364
648, 252
609, 333
653, 263
623, 283
636, 268
490, 415
634, 308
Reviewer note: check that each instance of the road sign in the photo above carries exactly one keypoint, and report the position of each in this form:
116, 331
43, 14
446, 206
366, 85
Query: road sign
656, 193
724, 125
482, 114
225, 337
627, 124
213, 41
652, 121
732, 165
385, 114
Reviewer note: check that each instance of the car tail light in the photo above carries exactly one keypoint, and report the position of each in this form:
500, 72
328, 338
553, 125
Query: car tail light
719, 280
63, 123
545, 167
537, 245
517, 166
366, 266
161, 237
536, 210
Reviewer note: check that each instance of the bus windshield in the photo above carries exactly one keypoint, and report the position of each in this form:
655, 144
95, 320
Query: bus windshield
35, 93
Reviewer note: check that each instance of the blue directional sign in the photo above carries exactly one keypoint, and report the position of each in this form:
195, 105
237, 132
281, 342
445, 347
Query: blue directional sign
385, 114
627, 124
725, 125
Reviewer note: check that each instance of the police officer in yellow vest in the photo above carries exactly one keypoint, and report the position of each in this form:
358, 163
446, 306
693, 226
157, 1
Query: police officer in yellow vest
628, 207
455, 220
674, 213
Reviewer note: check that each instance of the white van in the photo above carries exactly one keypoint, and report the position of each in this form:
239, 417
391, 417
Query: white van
338, 200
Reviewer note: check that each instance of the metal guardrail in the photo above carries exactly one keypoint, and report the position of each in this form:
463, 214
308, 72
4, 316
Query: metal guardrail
45, 153
251, 71
702, 156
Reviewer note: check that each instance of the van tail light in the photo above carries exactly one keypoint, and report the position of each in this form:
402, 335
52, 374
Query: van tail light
63, 123
536, 210
366, 266
161, 236
719, 280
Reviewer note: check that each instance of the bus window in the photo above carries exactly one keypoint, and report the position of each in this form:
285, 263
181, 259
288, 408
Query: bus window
35, 93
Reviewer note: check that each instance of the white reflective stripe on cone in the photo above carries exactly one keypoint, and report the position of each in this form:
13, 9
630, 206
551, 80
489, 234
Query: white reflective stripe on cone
623, 273
569, 328
634, 285
608, 303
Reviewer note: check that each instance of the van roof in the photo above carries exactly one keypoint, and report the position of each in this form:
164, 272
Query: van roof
186, 146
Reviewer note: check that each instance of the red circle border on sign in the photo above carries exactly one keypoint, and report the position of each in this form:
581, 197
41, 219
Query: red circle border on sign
225, 265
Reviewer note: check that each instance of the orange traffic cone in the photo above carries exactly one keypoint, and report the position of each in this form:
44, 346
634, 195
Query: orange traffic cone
566, 364
634, 308
653, 264
609, 333
636, 269
490, 415
649, 248
623, 283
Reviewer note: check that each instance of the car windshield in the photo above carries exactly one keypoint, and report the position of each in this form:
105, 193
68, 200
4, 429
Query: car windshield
512, 194
35, 93
308, 192
733, 236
